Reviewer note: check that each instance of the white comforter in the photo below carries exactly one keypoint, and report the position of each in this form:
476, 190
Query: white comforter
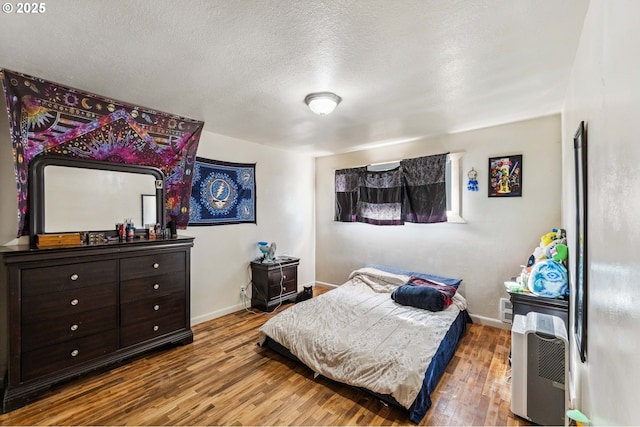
358, 335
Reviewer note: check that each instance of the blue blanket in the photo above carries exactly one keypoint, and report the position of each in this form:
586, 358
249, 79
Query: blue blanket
425, 294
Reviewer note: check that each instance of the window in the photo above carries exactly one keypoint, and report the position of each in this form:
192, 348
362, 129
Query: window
421, 190
454, 188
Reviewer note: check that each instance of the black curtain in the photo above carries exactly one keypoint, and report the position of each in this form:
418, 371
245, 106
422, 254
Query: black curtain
380, 200
413, 192
425, 195
347, 193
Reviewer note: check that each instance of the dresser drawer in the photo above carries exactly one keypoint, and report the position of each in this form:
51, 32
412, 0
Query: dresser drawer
64, 328
61, 304
152, 308
51, 359
152, 265
149, 287
152, 328
44, 280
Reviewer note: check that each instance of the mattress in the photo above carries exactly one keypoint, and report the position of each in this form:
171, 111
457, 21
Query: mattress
356, 334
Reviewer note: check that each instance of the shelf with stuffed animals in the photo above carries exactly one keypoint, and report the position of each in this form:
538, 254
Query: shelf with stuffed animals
545, 273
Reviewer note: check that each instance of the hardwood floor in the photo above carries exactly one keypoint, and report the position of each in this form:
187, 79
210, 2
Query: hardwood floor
224, 378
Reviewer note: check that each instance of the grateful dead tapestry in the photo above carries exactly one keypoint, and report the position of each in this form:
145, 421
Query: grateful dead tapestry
49, 118
222, 193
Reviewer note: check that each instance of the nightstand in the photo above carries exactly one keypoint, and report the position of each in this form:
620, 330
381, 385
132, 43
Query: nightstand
274, 283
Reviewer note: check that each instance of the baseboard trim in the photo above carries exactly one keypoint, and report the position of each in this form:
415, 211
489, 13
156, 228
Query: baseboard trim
218, 313
488, 321
234, 308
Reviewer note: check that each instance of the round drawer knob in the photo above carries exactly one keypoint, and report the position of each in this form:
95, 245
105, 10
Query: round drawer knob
156, 265
74, 301
156, 307
74, 353
284, 277
156, 328
156, 286
74, 327
74, 277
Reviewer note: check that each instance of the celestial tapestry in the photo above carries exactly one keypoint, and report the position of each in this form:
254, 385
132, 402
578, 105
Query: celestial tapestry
222, 193
49, 118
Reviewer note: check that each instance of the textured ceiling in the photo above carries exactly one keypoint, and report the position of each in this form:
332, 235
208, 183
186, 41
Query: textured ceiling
405, 69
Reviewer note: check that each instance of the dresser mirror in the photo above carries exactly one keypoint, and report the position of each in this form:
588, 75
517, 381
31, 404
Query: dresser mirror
70, 195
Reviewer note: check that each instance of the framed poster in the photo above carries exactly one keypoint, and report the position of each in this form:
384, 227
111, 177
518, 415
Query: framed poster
505, 176
580, 258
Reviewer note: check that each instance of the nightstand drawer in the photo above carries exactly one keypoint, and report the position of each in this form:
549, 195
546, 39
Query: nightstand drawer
286, 274
288, 287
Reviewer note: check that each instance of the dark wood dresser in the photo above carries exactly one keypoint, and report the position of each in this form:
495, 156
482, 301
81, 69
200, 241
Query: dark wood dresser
266, 293
68, 311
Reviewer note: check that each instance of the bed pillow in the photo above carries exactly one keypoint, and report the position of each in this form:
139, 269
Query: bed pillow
440, 279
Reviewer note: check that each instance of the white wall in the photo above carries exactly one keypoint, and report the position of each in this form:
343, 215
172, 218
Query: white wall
604, 91
498, 237
285, 215
221, 255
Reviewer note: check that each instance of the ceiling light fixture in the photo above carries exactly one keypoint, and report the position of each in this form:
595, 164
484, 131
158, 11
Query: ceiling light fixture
322, 103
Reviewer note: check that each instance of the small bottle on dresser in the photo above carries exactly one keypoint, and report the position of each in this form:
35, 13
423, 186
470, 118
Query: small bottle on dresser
131, 229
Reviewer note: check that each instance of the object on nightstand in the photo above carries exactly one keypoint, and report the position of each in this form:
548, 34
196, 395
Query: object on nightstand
513, 286
268, 251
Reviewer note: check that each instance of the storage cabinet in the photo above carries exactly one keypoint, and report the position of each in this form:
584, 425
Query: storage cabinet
524, 303
68, 311
273, 283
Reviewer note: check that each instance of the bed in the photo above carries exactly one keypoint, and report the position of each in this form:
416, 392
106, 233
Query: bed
359, 335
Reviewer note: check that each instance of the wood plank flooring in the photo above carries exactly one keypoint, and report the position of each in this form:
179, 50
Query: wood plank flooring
224, 378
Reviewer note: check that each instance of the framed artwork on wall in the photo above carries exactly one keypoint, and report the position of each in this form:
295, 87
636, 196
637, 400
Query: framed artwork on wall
505, 176
580, 258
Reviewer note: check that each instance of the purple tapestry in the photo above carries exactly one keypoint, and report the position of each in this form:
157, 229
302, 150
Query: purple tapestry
49, 118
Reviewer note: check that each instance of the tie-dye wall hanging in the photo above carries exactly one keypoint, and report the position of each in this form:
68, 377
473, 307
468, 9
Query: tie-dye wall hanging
49, 118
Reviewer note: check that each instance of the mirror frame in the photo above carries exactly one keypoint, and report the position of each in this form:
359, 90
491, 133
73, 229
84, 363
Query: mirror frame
37, 186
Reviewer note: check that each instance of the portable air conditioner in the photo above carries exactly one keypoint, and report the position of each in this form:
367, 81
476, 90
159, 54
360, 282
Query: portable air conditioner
539, 368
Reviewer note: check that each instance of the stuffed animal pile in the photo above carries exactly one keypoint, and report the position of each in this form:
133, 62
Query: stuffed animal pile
553, 245
546, 273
